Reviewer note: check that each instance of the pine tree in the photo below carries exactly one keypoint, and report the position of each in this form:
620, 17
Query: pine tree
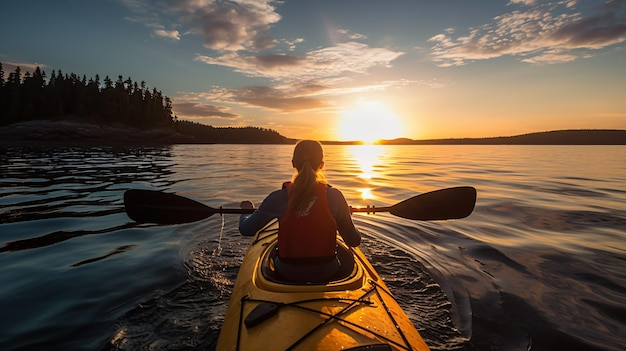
125, 101
1, 76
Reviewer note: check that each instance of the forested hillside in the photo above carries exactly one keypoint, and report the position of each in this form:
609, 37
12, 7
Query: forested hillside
230, 135
35, 96
76, 108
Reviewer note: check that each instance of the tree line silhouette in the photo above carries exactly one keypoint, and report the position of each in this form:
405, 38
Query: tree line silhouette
33, 96
230, 135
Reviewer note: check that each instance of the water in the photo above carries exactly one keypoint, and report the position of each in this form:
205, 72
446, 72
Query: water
540, 264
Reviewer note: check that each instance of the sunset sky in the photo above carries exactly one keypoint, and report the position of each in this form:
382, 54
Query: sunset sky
345, 69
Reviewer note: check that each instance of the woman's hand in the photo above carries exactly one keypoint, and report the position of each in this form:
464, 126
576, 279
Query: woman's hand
246, 204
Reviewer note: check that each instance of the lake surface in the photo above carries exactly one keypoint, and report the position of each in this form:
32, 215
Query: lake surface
540, 264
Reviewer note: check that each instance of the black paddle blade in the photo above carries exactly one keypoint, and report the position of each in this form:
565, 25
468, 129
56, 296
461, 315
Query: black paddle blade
450, 203
150, 206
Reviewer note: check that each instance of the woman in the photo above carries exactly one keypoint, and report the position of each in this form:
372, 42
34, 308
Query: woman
310, 212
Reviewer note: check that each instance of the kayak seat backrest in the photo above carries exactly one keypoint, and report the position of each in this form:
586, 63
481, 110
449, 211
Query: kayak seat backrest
346, 271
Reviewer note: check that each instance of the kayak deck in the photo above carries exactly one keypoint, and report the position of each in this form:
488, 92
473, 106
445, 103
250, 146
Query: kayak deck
356, 311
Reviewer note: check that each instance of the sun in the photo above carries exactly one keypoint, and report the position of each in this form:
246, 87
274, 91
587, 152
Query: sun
369, 121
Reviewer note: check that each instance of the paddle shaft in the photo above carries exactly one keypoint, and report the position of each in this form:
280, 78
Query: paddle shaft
220, 210
370, 209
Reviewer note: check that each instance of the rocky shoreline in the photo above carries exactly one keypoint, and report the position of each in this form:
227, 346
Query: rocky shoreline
69, 132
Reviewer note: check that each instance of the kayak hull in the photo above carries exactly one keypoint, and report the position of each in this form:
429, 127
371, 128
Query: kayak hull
355, 311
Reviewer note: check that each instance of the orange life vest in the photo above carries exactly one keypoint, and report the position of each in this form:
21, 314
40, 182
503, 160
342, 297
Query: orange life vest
310, 235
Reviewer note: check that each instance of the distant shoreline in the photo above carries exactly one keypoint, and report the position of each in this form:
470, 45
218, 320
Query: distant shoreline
557, 137
72, 132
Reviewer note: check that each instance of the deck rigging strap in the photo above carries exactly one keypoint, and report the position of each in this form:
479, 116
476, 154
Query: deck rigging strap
247, 298
337, 317
332, 317
395, 323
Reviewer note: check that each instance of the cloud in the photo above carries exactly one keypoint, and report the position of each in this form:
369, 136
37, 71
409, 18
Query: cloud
552, 33
302, 96
235, 26
593, 33
278, 99
170, 34
237, 31
352, 36
197, 109
524, 2
291, 44
302, 82
197, 106
275, 61
225, 25
9, 67
551, 58
286, 98
321, 63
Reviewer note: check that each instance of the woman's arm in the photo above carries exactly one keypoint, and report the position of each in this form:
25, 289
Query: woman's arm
272, 207
341, 211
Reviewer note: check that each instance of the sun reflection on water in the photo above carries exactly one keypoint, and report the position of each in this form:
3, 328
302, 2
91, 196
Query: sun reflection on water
367, 158
366, 193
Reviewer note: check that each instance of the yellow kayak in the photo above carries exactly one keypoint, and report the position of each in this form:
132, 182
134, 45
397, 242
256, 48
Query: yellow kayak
355, 312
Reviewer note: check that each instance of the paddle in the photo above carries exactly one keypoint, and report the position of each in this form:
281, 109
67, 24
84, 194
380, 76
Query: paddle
449, 203
151, 206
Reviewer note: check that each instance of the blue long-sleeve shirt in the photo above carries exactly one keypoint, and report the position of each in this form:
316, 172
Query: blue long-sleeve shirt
275, 206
